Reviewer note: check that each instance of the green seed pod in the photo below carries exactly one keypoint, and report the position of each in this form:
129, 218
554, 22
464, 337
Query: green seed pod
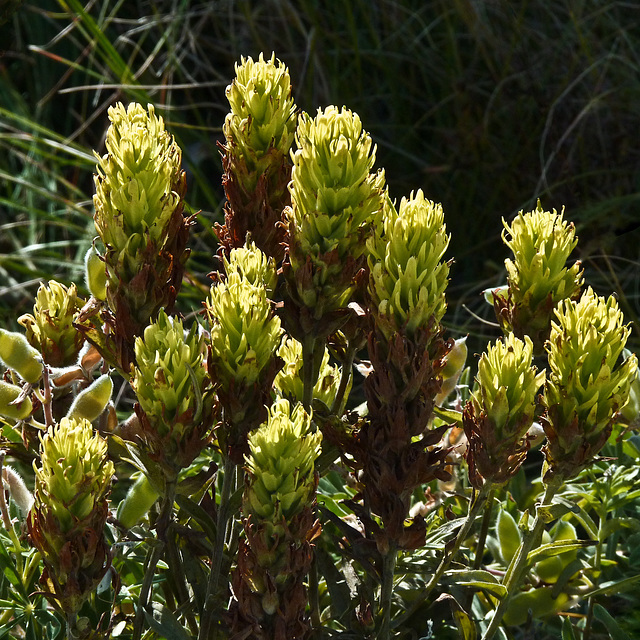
539, 601
17, 489
509, 537
136, 504
95, 274
91, 402
9, 393
19, 355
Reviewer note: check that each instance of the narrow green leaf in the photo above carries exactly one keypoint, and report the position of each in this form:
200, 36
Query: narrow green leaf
556, 548
163, 621
567, 630
613, 587
608, 621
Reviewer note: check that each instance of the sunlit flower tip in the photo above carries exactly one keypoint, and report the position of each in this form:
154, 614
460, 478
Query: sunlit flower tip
336, 198
288, 382
139, 182
263, 111
587, 383
507, 386
169, 375
253, 265
245, 333
281, 463
408, 275
541, 242
75, 473
50, 329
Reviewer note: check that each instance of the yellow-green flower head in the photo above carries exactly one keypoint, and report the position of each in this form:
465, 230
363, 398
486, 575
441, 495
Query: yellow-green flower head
245, 334
586, 384
169, 375
253, 265
281, 463
541, 242
262, 113
408, 277
75, 473
288, 381
50, 329
335, 196
136, 179
507, 386
501, 410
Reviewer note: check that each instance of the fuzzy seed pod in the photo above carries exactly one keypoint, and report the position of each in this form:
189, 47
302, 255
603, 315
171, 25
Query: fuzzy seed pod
9, 393
19, 355
95, 274
93, 400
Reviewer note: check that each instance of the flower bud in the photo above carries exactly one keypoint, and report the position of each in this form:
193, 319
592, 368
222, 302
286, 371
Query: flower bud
19, 355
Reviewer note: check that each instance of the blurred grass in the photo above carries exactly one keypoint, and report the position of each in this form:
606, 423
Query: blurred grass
485, 106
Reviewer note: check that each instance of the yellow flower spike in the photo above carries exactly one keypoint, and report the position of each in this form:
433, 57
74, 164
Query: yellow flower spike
50, 329
408, 276
538, 278
66, 522
586, 385
501, 410
252, 265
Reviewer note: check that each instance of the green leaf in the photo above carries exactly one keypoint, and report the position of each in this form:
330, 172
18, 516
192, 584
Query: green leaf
448, 415
567, 630
608, 621
618, 523
613, 587
163, 621
556, 548
557, 509
198, 514
475, 579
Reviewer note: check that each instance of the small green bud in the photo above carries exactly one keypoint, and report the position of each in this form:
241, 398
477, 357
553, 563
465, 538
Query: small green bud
19, 355
9, 393
92, 401
95, 274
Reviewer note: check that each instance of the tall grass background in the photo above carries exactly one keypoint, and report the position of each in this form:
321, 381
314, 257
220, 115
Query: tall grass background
486, 106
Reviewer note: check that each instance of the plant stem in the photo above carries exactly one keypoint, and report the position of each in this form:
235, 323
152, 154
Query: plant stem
164, 519
228, 483
518, 565
175, 563
309, 348
345, 375
484, 530
388, 572
463, 532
